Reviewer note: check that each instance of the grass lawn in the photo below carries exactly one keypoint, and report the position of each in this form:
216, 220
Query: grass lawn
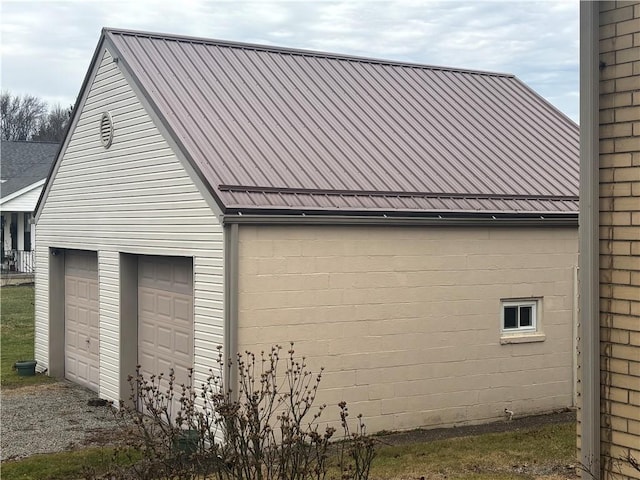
16, 334
544, 453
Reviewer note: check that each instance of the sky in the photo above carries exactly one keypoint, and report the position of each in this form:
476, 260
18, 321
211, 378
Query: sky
46, 46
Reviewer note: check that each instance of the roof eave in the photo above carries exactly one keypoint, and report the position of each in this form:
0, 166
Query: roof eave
444, 218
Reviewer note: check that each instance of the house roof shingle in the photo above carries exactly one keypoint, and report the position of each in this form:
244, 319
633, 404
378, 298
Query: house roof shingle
275, 129
24, 163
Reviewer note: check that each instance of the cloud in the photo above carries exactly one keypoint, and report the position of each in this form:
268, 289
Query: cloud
47, 46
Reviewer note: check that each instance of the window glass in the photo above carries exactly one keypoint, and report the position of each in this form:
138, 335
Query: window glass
510, 317
525, 316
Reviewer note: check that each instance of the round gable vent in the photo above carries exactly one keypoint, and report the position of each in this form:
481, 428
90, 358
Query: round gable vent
106, 129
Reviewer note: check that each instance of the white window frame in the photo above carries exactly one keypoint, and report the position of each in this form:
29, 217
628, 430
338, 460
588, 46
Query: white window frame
533, 328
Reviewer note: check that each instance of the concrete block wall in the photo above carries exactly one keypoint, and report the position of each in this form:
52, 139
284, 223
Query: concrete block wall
406, 320
620, 235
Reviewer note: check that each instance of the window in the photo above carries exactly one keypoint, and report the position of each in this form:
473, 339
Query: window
521, 321
519, 316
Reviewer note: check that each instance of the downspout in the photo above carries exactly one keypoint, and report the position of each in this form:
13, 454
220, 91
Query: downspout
589, 238
230, 346
575, 315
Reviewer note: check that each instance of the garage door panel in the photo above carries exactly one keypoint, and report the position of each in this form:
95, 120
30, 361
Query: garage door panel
163, 306
83, 291
82, 319
164, 338
182, 344
183, 309
70, 288
145, 358
184, 278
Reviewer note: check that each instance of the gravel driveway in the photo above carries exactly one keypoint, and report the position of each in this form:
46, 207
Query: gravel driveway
51, 418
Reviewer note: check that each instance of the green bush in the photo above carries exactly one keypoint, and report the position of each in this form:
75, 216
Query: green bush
268, 430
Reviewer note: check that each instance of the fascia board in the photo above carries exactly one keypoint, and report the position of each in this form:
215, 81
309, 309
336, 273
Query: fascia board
569, 220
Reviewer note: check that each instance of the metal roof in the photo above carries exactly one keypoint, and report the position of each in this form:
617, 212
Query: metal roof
24, 163
275, 129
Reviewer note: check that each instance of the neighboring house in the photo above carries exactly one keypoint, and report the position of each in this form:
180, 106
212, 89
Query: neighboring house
412, 229
609, 415
24, 167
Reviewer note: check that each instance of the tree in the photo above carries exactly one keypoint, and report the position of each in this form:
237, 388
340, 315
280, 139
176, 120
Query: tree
53, 125
28, 118
20, 117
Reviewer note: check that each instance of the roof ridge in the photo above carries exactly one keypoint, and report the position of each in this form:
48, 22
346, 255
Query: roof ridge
299, 52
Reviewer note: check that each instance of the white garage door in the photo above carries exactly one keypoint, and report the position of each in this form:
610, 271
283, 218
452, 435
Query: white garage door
165, 315
82, 318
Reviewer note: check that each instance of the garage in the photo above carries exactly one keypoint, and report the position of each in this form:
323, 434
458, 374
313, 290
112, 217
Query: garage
165, 315
82, 318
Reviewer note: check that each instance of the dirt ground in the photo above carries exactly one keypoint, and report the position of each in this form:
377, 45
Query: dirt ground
418, 436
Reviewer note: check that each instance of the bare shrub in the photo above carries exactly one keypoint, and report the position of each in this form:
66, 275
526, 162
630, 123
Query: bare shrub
269, 429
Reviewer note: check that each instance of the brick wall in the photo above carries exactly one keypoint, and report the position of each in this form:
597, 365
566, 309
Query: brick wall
406, 321
620, 235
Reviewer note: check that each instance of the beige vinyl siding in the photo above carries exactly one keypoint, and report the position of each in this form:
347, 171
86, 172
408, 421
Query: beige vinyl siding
406, 321
135, 197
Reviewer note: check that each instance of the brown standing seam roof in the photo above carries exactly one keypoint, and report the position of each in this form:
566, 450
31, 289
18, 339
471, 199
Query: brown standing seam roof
276, 130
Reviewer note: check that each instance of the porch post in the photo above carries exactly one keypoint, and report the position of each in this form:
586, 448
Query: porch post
7, 232
20, 230
33, 236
